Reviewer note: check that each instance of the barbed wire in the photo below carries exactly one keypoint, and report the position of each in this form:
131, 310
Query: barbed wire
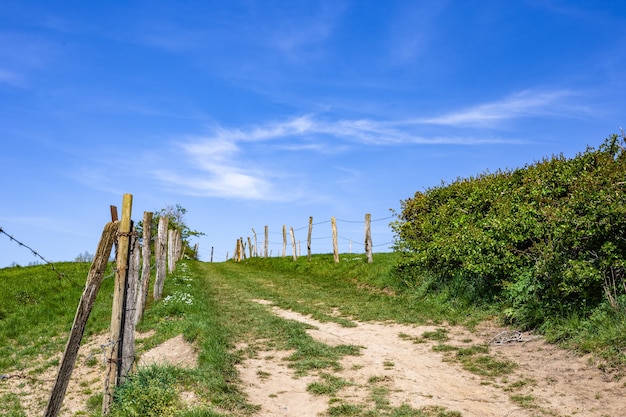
60, 274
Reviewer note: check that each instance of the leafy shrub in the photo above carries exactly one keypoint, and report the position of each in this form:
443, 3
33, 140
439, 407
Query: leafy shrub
548, 238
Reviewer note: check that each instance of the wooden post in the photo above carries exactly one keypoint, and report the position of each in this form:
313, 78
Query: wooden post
368, 238
161, 257
180, 249
114, 216
213, 247
250, 247
243, 248
267, 241
115, 338
171, 248
308, 239
127, 355
333, 223
87, 300
293, 244
142, 294
256, 248
284, 240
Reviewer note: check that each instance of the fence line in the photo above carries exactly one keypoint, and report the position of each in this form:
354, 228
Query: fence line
239, 253
60, 274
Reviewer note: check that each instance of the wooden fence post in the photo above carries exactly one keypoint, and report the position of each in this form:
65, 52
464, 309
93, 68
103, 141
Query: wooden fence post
308, 239
87, 300
115, 338
171, 248
293, 244
368, 238
127, 355
250, 247
142, 295
256, 247
161, 257
267, 241
284, 240
242, 253
333, 223
178, 237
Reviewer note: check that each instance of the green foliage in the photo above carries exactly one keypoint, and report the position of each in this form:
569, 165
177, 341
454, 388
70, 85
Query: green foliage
548, 239
176, 221
151, 392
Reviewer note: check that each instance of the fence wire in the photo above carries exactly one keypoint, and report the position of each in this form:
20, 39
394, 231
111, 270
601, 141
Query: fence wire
60, 274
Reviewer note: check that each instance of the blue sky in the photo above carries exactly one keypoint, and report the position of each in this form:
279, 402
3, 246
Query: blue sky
254, 113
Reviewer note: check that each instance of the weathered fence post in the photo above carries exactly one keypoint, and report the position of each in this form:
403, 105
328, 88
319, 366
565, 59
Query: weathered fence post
284, 240
267, 241
142, 295
368, 238
117, 314
250, 247
293, 244
308, 239
171, 249
333, 223
242, 253
127, 355
160, 249
87, 300
256, 248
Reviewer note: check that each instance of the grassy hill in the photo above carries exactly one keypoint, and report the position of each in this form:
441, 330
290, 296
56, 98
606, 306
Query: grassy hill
211, 305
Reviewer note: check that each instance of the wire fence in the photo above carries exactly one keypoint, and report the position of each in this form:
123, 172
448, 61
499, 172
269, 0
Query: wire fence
323, 244
60, 274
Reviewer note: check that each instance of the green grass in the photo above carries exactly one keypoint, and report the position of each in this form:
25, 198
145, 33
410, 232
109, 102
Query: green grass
37, 309
212, 305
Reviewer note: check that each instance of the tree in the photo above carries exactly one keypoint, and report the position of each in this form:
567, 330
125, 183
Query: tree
176, 221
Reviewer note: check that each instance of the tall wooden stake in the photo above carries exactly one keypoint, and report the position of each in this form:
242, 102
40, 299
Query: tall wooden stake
333, 223
267, 241
368, 238
115, 337
256, 248
160, 249
145, 269
284, 240
308, 239
293, 244
94, 279
127, 354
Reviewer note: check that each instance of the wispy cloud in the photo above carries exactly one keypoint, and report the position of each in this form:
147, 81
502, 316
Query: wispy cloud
224, 162
520, 105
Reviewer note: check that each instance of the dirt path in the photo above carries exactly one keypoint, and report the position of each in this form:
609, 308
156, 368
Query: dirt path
546, 382
415, 366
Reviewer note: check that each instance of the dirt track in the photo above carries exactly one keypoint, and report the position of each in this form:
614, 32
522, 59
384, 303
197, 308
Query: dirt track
546, 382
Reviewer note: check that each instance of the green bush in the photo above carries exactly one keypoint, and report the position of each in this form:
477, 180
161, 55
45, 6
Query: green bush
548, 239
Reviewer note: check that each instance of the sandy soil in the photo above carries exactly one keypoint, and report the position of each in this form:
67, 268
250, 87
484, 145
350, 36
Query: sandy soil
556, 382
560, 384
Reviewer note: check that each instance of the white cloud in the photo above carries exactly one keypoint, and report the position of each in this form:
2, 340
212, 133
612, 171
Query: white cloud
520, 105
225, 162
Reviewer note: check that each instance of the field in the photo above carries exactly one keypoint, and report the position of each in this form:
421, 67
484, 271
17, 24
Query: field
274, 337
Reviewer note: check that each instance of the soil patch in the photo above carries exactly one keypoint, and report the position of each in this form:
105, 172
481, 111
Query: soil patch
399, 359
